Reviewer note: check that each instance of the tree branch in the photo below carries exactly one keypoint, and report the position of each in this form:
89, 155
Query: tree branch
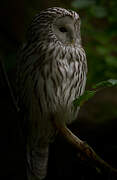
85, 150
7, 83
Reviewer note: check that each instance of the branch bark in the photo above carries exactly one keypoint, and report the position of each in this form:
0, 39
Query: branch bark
86, 152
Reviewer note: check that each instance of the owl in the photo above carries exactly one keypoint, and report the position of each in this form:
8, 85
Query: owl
51, 73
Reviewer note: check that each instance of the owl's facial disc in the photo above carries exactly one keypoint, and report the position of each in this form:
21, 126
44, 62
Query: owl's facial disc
65, 31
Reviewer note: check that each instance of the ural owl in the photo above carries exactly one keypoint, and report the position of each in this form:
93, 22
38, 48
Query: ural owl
52, 72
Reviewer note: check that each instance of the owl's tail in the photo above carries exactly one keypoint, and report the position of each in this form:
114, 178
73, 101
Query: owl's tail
37, 163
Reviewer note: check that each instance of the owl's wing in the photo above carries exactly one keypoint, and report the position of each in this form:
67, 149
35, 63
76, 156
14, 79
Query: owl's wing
27, 77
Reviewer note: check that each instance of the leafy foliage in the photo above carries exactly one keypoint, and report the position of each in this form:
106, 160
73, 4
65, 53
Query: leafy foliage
89, 94
82, 99
108, 83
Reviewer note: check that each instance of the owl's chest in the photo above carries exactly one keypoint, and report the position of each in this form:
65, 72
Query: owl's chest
66, 77
63, 80
67, 70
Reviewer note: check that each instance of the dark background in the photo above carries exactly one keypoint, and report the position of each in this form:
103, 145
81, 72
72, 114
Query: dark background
97, 121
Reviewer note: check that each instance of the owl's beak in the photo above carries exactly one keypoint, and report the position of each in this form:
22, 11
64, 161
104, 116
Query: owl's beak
73, 41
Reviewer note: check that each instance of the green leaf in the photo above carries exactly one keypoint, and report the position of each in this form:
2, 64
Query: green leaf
82, 99
113, 82
108, 83
89, 94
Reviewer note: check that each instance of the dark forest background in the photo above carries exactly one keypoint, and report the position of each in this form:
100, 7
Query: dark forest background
97, 121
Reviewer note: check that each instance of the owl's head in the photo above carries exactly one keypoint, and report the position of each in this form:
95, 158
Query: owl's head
56, 25
66, 30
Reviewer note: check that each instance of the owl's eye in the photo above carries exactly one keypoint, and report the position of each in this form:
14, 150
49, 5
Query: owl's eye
63, 29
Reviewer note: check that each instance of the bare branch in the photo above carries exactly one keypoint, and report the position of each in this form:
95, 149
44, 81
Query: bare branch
7, 83
86, 151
